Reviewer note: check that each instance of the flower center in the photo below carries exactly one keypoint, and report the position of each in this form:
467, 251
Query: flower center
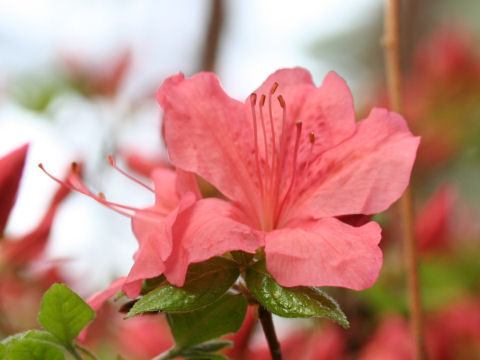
271, 165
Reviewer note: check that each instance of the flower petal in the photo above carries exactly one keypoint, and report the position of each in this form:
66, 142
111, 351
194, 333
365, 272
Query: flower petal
11, 168
155, 239
165, 183
210, 227
98, 299
325, 252
363, 175
208, 133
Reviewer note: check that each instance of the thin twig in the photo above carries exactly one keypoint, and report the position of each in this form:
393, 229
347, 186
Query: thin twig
391, 43
212, 38
267, 325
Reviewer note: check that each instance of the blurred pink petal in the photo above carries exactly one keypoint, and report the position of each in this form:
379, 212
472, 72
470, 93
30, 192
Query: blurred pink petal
11, 169
31, 246
432, 222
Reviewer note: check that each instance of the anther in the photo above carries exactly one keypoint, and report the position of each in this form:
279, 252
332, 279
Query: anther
74, 167
274, 88
253, 99
262, 100
101, 195
111, 160
281, 101
312, 138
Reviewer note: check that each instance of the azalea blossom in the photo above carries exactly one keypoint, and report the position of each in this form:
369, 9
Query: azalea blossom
290, 160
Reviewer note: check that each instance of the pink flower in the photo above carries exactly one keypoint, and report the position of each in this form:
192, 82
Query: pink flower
432, 226
11, 169
23, 250
391, 341
290, 164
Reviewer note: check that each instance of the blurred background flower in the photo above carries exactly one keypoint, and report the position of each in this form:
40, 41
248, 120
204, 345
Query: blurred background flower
77, 82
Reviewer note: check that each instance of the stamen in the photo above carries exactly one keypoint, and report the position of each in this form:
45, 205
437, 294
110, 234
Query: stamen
81, 188
272, 128
267, 165
283, 105
312, 137
253, 101
282, 152
111, 160
274, 88
74, 167
298, 125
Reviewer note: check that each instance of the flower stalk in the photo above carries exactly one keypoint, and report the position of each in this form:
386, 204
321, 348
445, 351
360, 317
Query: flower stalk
391, 44
266, 320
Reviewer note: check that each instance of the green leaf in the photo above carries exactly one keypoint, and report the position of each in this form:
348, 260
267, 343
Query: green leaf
3, 351
42, 336
294, 302
242, 257
86, 354
204, 284
32, 349
64, 314
222, 317
210, 346
39, 335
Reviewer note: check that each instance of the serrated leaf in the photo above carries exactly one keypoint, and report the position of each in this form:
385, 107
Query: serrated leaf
222, 317
294, 302
204, 284
32, 349
64, 314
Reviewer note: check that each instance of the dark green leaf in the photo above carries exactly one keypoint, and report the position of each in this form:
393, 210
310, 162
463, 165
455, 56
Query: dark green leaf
222, 317
32, 349
294, 302
64, 314
242, 257
204, 284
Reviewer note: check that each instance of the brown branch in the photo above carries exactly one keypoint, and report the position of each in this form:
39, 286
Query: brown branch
267, 325
391, 43
212, 38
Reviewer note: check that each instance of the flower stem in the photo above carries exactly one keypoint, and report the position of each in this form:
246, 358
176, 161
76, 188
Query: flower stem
267, 325
391, 43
